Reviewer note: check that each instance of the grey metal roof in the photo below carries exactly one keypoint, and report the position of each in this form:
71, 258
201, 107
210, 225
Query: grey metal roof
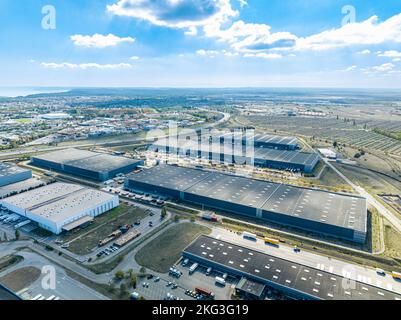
317, 205
93, 161
270, 269
8, 169
259, 154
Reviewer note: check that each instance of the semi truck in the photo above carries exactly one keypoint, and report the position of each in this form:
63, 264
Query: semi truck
220, 281
396, 275
210, 217
249, 236
206, 293
22, 224
271, 241
193, 268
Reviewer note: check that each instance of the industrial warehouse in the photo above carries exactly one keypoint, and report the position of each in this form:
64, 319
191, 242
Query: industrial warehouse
261, 140
233, 153
322, 212
10, 173
61, 207
88, 164
293, 279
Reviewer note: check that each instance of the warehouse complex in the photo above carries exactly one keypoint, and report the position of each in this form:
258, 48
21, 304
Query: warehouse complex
61, 207
338, 215
233, 153
88, 164
261, 140
295, 280
10, 173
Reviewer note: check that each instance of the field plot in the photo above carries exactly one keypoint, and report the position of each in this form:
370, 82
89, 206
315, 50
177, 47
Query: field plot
355, 133
161, 253
20, 278
89, 240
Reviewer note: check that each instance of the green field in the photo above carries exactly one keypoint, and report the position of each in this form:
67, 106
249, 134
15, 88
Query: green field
103, 226
161, 253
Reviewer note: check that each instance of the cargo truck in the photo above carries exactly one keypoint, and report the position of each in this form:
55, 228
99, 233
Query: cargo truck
249, 236
193, 268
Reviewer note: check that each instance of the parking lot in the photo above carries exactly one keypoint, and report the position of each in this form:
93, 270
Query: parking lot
184, 286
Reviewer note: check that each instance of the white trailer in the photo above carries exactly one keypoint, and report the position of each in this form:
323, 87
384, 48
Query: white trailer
220, 281
193, 268
249, 236
22, 224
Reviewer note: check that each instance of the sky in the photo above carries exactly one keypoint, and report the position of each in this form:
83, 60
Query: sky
200, 43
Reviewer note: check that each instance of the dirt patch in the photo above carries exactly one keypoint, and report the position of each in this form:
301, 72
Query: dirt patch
9, 261
161, 253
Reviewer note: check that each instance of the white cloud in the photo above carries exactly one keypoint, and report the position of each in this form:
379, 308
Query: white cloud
390, 54
263, 55
368, 32
207, 53
134, 58
251, 37
175, 13
366, 51
99, 41
383, 68
192, 31
349, 69
85, 66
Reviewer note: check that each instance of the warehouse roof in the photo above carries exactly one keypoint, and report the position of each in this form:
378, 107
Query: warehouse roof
88, 160
7, 169
326, 207
183, 146
270, 269
58, 201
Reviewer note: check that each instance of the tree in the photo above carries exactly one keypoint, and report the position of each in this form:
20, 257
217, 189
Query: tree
133, 281
17, 234
123, 289
130, 273
163, 213
119, 275
176, 218
335, 144
142, 270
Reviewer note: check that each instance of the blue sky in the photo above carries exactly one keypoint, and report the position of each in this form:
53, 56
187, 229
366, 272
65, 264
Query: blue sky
202, 43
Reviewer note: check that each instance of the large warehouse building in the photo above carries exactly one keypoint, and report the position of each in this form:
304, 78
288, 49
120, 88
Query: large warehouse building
293, 279
61, 207
262, 140
88, 164
338, 215
239, 154
10, 173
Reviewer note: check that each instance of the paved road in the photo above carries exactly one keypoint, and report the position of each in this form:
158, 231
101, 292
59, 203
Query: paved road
65, 288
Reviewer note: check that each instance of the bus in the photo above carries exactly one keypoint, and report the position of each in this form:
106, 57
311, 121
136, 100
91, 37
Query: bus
249, 236
272, 241
396, 275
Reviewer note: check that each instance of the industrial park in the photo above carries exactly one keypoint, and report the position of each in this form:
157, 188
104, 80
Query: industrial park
196, 158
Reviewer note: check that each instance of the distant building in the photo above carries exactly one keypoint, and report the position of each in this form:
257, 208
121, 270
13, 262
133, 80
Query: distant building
55, 116
10, 173
88, 164
328, 153
61, 207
